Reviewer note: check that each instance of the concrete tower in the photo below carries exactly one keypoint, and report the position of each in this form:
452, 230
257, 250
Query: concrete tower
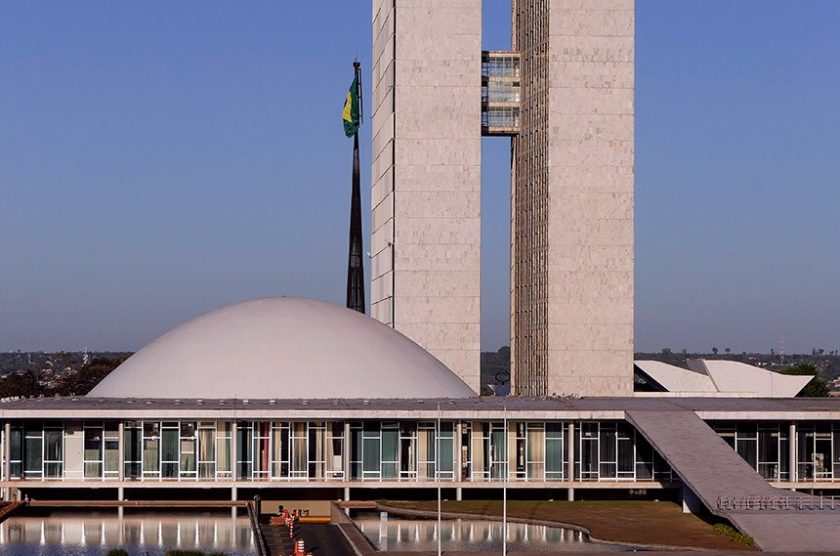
426, 171
564, 95
572, 199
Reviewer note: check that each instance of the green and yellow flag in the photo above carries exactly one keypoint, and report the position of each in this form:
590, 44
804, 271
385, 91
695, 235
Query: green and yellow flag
350, 115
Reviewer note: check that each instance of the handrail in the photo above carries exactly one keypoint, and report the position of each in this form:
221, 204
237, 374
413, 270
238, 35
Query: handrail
262, 546
778, 503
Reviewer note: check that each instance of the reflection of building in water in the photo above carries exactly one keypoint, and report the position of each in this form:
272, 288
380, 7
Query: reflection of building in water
175, 532
467, 534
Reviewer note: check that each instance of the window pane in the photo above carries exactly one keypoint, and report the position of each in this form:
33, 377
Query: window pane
169, 445
150, 455
33, 455
553, 455
188, 455
112, 456
206, 445
371, 455
52, 444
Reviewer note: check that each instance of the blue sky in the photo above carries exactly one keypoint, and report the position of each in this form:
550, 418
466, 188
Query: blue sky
159, 159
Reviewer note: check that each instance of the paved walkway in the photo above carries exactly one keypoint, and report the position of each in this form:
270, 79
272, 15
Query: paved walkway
324, 539
277, 539
713, 470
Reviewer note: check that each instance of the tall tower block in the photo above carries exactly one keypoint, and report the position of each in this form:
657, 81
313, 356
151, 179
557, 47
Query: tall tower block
572, 199
426, 176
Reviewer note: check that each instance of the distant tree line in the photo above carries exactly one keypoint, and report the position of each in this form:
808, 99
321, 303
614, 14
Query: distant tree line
76, 382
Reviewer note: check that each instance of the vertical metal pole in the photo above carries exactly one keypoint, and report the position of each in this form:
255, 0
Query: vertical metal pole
357, 67
505, 481
437, 479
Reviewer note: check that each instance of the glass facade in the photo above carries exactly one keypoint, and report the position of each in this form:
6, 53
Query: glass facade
371, 450
500, 96
767, 446
391, 450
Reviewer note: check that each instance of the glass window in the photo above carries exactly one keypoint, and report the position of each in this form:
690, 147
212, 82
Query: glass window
188, 461
151, 449
53, 452
33, 447
390, 450
133, 451
169, 445
112, 458
93, 452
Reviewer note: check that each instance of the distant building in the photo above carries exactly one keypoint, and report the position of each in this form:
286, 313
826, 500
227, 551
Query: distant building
709, 377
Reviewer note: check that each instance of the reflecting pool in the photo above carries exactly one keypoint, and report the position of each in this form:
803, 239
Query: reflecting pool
76, 534
399, 534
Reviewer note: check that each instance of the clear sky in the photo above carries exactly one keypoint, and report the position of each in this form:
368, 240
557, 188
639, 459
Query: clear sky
159, 159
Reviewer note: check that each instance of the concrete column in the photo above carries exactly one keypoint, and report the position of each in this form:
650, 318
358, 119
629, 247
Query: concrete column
570, 464
346, 493
459, 494
7, 433
345, 458
570, 451
793, 447
510, 434
121, 450
120, 498
458, 455
690, 503
7, 454
233, 451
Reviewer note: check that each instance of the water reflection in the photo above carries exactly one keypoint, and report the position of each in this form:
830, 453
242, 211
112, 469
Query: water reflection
399, 534
89, 535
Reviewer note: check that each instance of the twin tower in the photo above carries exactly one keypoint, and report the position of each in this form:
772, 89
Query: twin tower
564, 97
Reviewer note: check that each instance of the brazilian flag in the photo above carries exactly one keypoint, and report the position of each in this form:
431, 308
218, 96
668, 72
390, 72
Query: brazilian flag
350, 115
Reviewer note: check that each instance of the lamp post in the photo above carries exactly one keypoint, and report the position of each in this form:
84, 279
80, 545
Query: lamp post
437, 480
505, 480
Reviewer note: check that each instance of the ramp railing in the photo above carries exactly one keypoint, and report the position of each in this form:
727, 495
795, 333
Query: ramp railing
262, 546
778, 503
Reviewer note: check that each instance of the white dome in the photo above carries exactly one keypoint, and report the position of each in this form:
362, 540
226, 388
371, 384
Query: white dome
284, 348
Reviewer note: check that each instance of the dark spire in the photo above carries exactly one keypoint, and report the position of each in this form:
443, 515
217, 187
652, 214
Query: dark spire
355, 266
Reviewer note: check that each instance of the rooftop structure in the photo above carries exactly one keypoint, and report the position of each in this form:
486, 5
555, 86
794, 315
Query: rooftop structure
719, 378
282, 348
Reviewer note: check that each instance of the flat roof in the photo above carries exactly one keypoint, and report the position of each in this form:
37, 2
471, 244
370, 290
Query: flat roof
465, 408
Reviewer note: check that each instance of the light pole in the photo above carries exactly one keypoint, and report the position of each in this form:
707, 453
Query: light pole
505, 480
437, 479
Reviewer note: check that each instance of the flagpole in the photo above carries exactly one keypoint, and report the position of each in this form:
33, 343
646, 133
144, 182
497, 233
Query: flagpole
357, 68
355, 266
